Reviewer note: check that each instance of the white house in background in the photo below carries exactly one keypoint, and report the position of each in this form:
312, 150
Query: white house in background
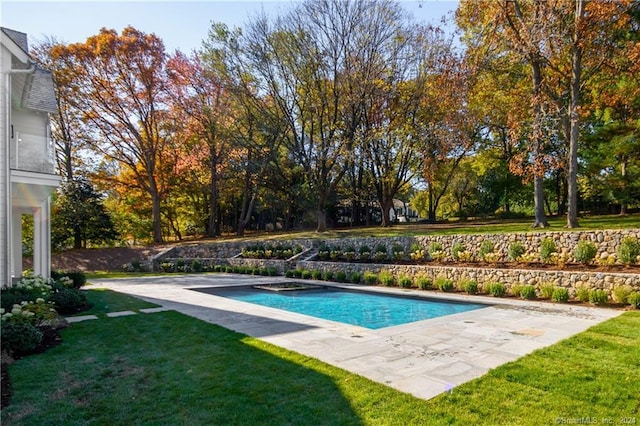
27, 156
402, 212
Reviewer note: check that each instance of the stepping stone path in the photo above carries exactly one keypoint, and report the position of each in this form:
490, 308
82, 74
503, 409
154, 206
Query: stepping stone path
80, 318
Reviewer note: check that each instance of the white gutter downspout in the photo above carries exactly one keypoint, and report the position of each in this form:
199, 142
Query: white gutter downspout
8, 231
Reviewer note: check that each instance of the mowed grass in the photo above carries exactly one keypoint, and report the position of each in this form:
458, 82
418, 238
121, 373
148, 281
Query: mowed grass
104, 301
457, 227
167, 368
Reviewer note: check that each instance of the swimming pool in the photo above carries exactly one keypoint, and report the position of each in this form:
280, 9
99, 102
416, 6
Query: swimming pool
369, 310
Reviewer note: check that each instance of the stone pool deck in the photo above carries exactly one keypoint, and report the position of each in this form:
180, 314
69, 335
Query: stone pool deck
423, 358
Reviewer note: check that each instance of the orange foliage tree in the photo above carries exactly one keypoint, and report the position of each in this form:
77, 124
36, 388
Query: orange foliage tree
119, 84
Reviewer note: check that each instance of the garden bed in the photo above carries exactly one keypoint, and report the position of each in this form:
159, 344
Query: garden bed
625, 269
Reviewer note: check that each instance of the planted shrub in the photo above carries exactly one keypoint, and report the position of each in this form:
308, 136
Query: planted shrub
398, 251
560, 295
435, 246
582, 293
528, 292
323, 251
585, 252
621, 294
197, 266
546, 290
486, 247
217, 268
416, 252
380, 252
306, 274
78, 278
19, 338
598, 297
364, 252
444, 284
516, 250
341, 276
229, 269
14, 295
496, 289
629, 250
328, 275
516, 290
423, 282
355, 277
335, 253
634, 300
547, 248
349, 253
386, 278
470, 286
69, 300
405, 281
316, 274
456, 249
370, 278
290, 273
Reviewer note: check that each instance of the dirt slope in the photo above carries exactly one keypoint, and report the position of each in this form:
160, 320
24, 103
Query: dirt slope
106, 259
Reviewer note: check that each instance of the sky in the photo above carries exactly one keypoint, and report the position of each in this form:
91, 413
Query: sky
182, 25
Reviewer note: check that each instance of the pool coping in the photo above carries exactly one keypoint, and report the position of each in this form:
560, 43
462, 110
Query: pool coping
423, 358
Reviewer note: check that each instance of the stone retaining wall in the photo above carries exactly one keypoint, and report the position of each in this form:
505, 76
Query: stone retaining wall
571, 280
605, 241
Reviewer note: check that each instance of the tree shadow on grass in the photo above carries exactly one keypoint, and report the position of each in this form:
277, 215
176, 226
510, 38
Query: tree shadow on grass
168, 368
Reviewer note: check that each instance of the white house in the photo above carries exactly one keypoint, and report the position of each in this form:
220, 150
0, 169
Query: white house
27, 156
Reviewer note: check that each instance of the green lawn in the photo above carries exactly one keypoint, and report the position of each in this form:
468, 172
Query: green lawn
462, 227
167, 368
104, 301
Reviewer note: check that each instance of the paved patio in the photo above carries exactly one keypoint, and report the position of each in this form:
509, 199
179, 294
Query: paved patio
424, 358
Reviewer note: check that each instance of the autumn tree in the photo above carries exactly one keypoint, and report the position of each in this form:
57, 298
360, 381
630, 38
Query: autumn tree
202, 107
66, 129
118, 82
445, 125
565, 43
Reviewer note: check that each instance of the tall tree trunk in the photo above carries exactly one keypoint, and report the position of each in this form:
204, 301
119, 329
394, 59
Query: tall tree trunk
213, 223
77, 238
576, 75
248, 202
538, 167
538, 203
623, 174
157, 221
386, 205
321, 212
431, 214
322, 220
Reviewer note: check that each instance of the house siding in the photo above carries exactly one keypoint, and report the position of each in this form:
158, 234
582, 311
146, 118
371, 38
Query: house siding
4, 172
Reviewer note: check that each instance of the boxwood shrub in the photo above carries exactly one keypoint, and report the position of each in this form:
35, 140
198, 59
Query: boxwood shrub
19, 338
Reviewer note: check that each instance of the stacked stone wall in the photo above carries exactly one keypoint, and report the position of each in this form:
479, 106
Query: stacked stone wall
572, 280
606, 241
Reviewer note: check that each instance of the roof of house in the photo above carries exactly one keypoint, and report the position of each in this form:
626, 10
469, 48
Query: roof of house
40, 94
18, 38
38, 91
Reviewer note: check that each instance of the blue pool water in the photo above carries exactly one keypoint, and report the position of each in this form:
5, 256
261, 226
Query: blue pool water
368, 310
